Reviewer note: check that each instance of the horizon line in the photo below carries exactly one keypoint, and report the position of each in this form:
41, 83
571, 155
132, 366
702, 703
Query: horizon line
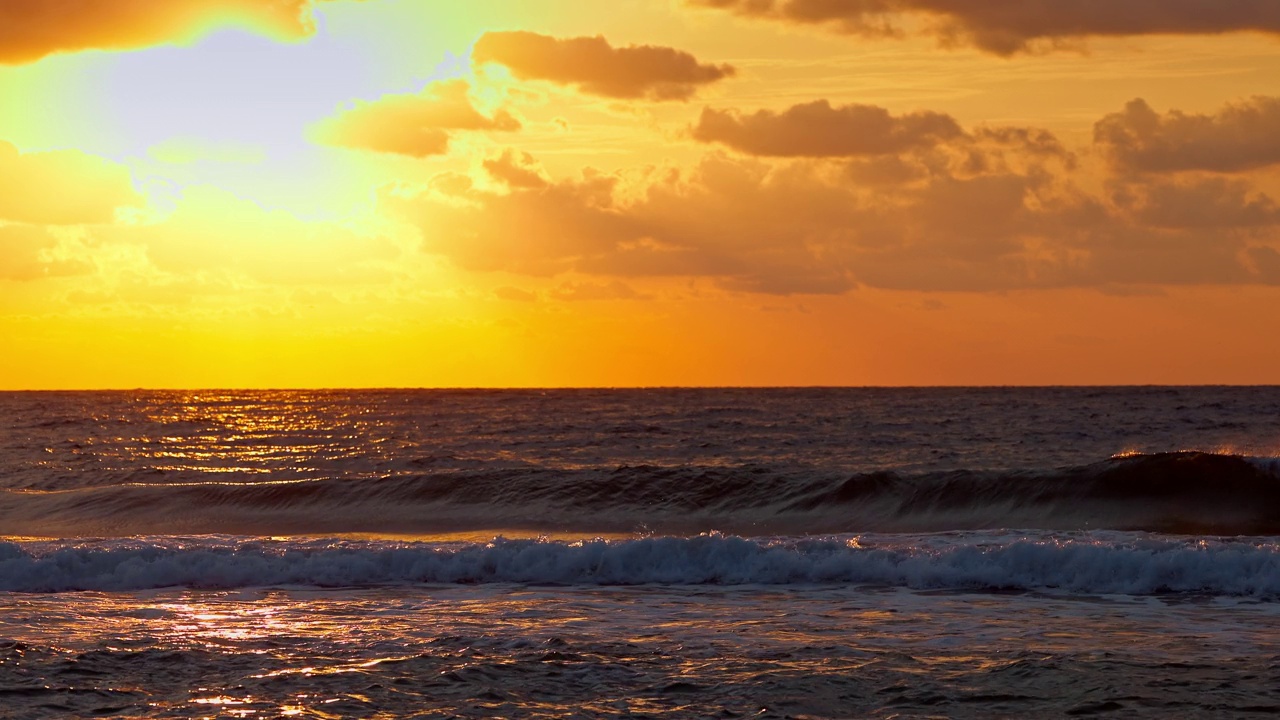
573, 388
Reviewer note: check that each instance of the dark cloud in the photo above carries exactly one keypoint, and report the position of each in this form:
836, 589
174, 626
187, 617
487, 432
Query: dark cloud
1005, 27
1241, 136
416, 124
65, 187
817, 129
32, 29
593, 66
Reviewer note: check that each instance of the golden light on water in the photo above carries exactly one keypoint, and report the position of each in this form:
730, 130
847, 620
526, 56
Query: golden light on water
203, 625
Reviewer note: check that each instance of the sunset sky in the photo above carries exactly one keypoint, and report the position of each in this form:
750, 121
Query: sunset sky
513, 193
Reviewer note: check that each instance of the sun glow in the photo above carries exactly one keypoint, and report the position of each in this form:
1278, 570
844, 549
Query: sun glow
232, 87
228, 105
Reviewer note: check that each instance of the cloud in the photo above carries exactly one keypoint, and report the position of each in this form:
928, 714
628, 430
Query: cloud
886, 170
1241, 136
416, 124
28, 253
65, 187
818, 208
806, 227
517, 170
817, 129
733, 221
593, 66
539, 231
746, 224
1212, 202
32, 29
1006, 27
1034, 142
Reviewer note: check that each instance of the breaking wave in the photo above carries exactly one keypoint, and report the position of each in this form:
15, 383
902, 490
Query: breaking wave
1095, 563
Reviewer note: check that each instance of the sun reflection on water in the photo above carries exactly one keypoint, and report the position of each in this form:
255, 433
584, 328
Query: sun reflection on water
242, 627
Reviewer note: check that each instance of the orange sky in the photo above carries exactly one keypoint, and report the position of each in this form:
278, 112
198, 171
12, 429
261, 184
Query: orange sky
267, 193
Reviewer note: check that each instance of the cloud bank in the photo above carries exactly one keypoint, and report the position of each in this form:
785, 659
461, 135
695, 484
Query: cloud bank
825, 200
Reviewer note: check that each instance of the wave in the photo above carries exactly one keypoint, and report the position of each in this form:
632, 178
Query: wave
1086, 563
1183, 492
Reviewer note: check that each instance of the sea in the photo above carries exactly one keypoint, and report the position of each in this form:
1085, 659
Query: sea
655, 553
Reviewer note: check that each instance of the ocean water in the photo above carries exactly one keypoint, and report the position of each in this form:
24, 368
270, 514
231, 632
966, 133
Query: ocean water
819, 553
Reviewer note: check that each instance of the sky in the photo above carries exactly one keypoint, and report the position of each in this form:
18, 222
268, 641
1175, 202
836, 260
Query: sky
545, 193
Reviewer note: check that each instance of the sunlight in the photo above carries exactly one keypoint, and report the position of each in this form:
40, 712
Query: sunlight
232, 110
233, 87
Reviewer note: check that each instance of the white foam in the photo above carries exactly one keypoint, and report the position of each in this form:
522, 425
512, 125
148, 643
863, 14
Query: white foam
1092, 564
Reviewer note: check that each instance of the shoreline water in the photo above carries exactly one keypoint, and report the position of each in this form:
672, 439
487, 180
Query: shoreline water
397, 597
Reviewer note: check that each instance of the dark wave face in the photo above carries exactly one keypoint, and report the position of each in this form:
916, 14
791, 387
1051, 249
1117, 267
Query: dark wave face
1186, 493
749, 462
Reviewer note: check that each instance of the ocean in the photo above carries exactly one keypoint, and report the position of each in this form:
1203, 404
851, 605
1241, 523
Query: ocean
664, 553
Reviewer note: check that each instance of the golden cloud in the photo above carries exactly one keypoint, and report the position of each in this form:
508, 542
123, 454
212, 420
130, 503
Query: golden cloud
1005, 27
215, 233
517, 170
533, 230
416, 124
26, 253
594, 66
32, 29
65, 187
987, 209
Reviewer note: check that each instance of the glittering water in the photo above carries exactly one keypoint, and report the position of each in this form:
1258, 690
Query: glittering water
886, 553
512, 650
